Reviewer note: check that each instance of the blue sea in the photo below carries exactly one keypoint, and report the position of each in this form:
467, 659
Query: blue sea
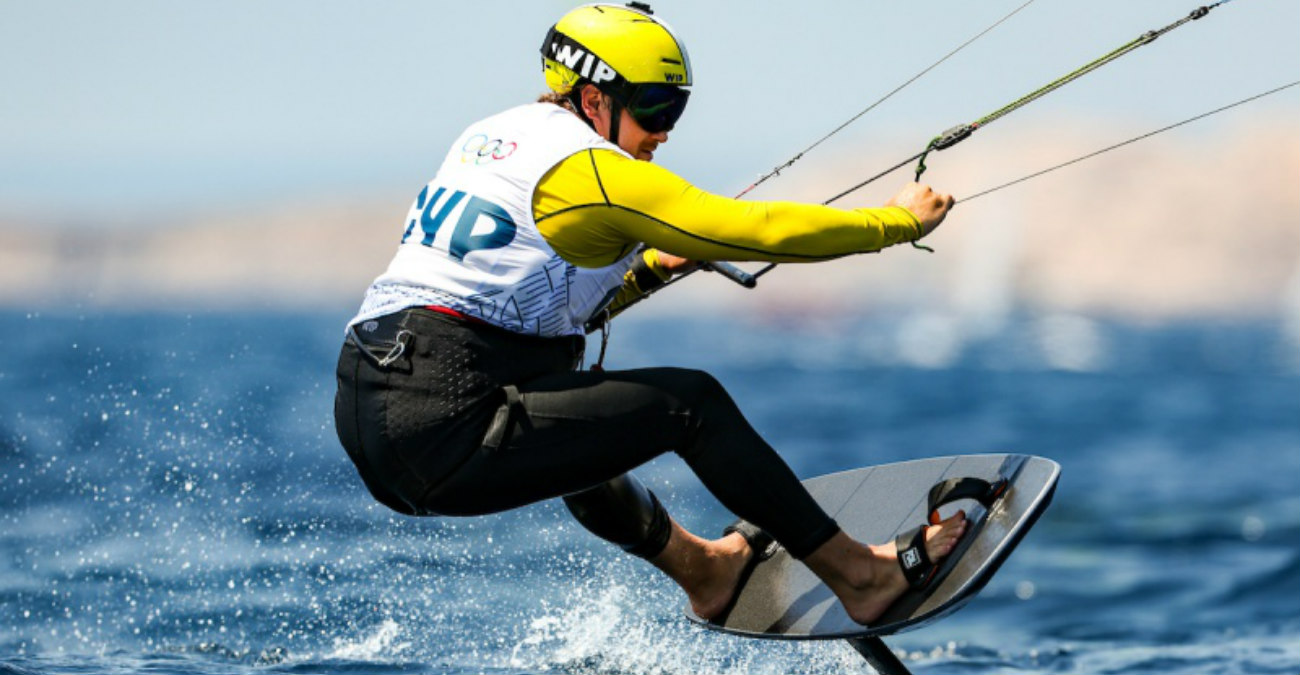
173, 500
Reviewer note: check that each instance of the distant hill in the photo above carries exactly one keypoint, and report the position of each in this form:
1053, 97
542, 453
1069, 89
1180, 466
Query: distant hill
1171, 228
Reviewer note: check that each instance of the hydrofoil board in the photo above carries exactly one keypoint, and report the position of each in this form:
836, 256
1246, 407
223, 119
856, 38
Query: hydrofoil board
782, 599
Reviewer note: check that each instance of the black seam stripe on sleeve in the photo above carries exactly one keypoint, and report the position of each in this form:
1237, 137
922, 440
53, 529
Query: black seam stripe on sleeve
622, 253
725, 244
596, 172
566, 210
830, 256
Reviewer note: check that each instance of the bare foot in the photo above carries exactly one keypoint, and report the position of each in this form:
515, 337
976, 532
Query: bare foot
707, 570
868, 579
727, 557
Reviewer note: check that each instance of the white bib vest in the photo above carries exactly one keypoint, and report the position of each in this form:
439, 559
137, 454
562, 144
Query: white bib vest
470, 241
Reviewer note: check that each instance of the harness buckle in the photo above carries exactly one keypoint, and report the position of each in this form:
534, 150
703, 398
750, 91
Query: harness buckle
402, 339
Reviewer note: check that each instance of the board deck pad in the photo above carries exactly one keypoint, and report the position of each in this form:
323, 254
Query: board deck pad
784, 600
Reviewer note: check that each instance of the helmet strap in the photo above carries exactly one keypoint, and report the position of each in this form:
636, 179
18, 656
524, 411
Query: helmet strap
575, 101
615, 110
615, 115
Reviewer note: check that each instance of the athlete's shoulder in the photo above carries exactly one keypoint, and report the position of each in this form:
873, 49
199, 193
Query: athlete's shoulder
614, 165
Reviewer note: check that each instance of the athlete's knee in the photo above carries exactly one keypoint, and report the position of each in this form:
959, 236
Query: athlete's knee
697, 387
711, 411
625, 513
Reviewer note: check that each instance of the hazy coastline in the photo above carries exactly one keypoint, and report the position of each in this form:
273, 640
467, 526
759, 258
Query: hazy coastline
1168, 230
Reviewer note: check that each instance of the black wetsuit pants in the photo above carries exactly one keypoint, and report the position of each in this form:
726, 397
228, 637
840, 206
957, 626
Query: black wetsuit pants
467, 419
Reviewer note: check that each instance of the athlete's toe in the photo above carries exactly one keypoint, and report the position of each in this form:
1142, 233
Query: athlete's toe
941, 539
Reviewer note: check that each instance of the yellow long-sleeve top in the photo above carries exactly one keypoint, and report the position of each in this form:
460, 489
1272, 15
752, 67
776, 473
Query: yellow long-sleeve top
596, 206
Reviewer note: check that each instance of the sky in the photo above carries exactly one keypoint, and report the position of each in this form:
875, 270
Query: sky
123, 112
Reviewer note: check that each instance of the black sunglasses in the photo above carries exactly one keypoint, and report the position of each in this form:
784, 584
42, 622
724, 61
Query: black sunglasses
656, 107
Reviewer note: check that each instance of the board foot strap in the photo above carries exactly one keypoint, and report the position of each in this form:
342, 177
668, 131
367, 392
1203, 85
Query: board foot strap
954, 489
918, 568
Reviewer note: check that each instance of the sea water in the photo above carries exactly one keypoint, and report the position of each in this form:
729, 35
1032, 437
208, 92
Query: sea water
173, 500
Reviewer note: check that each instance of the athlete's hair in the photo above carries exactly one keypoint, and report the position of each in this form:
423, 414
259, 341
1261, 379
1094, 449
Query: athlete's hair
570, 100
561, 100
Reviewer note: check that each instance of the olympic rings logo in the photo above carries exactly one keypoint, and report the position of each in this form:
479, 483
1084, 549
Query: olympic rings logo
480, 150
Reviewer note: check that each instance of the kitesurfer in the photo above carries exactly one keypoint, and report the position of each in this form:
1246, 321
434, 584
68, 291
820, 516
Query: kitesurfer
458, 385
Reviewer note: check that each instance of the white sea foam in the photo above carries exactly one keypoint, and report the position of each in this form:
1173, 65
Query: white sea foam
380, 643
612, 626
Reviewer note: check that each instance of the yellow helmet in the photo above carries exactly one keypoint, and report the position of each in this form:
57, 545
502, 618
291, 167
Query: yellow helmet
627, 53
